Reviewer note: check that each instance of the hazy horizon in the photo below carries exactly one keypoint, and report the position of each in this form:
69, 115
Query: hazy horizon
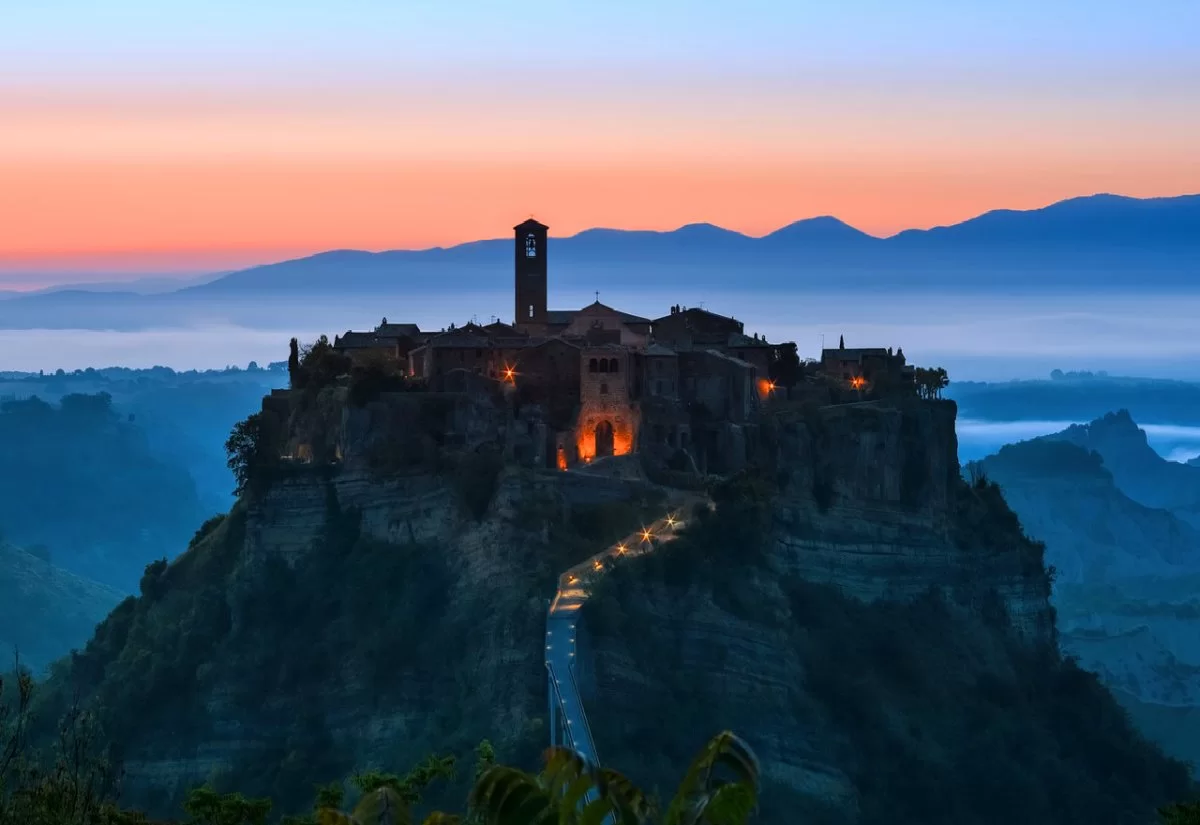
311, 126
995, 337
162, 270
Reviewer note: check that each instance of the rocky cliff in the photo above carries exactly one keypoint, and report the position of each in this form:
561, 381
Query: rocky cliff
1127, 572
358, 614
876, 627
369, 612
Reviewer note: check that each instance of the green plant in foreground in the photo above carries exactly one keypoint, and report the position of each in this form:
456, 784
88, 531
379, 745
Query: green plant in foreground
720, 788
1183, 813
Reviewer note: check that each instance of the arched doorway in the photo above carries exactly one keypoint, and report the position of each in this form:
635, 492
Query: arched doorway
604, 439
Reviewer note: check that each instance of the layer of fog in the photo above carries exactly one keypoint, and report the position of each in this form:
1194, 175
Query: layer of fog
999, 337
978, 438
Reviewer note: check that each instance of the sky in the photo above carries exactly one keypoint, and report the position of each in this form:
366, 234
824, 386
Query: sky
143, 137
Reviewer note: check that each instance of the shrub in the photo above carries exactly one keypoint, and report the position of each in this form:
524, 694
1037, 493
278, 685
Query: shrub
253, 449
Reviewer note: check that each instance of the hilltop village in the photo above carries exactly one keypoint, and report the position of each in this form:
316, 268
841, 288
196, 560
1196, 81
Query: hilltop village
615, 383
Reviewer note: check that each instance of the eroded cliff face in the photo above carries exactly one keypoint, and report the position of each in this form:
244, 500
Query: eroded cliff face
871, 501
364, 617
863, 599
353, 616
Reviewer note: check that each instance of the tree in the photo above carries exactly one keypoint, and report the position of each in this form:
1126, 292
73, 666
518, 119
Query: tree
1183, 813
206, 807
253, 451
293, 364
387, 799
931, 382
76, 786
785, 368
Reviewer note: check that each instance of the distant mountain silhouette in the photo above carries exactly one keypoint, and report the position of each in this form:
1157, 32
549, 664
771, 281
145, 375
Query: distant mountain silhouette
1068, 243
1097, 242
1140, 472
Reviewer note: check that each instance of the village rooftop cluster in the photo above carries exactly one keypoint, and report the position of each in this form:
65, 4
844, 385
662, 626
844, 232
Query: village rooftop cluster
616, 383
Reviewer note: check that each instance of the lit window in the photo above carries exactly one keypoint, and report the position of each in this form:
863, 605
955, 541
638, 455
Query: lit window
530, 246
531, 310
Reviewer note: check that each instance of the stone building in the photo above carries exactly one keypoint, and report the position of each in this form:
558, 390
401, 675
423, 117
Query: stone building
660, 374
602, 381
389, 342
864, 366
468, 347
608, 417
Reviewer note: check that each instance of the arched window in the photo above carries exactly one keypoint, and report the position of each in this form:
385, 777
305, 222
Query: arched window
613, 365
592, 365
603, 365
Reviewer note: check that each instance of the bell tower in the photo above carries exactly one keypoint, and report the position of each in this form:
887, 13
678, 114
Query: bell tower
529, 272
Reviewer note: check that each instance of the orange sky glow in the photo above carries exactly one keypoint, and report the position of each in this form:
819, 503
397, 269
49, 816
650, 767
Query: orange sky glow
202, 170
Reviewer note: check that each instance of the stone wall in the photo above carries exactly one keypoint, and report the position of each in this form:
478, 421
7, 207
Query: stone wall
604, 399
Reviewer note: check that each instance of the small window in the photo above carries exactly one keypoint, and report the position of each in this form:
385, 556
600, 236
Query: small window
613, 365
604, 389
603, 365
531, 310
592, 366
478, 353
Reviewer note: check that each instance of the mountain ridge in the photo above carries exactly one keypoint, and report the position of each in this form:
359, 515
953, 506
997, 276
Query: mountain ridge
1073, 239
1099, 242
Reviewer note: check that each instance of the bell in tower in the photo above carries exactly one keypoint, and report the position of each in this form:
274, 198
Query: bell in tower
529, 286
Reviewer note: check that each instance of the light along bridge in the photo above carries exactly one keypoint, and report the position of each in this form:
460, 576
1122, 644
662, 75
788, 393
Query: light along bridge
568, 721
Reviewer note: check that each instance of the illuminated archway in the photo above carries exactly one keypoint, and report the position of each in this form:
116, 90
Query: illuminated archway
604, 439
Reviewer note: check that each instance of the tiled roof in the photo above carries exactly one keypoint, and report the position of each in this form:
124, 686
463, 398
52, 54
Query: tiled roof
541, 342
696, 311
468, 337
398, 331
659, 349
724, 357
847, 354
737, 339
566, 316
359, 340
502, 329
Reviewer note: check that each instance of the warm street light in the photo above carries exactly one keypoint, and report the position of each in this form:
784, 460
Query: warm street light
620, 549
645, 535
